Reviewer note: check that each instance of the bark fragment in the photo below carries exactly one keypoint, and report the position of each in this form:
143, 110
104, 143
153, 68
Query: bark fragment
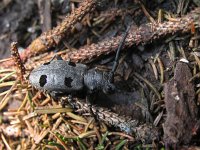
180, 106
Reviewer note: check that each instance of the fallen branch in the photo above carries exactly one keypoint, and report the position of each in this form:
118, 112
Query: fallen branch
53, 37
142, 35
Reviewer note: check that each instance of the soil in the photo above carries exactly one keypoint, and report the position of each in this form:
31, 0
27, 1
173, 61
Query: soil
16, 17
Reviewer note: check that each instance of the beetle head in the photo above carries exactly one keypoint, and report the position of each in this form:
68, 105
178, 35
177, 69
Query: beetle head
108, 88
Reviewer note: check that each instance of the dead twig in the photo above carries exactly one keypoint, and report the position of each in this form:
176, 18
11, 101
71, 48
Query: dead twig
18, 62
53, 37
143, 34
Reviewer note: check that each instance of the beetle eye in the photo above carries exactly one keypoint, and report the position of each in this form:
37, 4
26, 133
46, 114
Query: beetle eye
109, 89
68, 82
43, 80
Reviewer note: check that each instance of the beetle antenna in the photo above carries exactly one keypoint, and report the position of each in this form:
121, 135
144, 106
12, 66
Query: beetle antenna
56, 56
116, 61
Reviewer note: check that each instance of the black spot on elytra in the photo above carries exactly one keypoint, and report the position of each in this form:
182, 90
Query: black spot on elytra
43, 80
71, 64
68, 81
46, 63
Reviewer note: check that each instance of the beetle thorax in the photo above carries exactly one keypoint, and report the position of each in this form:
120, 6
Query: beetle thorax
95, 81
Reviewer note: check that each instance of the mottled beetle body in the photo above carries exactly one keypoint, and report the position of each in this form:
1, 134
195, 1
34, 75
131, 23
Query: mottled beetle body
60, 77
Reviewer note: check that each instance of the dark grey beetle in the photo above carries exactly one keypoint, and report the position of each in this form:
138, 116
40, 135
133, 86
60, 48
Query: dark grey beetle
59, 77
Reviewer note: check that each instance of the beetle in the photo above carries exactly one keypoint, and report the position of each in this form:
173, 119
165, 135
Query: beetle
60, 77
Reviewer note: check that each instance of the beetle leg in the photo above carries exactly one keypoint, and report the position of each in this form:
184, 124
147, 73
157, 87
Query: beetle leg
69, 99
89, 99
53, 94
70, 63
55, 56
68, 60
58, 57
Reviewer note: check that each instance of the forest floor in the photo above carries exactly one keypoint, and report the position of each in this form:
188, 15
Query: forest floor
156, 101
